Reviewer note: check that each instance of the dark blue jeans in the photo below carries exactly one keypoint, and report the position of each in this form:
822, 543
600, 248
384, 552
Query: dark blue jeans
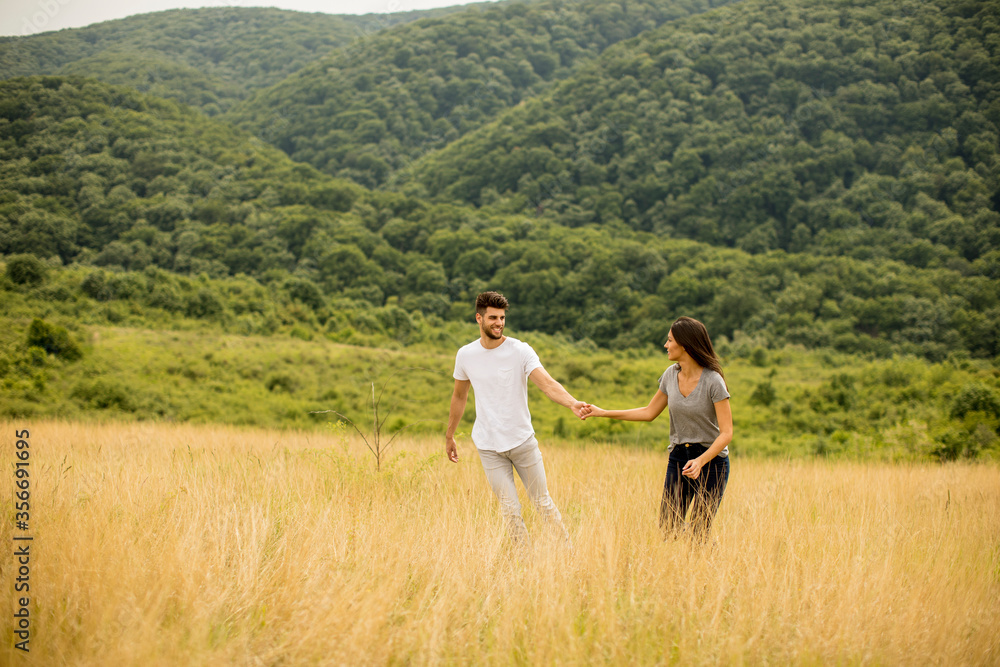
702, 496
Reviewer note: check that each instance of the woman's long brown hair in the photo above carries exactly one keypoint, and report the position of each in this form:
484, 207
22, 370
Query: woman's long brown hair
692, 335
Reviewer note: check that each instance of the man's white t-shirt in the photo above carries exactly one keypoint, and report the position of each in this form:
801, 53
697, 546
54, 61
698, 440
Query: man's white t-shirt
500, 382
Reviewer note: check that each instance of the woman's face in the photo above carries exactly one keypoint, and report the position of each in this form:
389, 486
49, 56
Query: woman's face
674, 350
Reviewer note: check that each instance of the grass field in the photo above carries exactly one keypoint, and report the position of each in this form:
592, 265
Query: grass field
787, 402
160, 544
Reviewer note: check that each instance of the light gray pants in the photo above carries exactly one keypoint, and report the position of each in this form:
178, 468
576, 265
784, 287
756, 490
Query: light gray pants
527, 460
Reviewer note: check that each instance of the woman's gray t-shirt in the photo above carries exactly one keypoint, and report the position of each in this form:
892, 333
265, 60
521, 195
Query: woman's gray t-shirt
692, 417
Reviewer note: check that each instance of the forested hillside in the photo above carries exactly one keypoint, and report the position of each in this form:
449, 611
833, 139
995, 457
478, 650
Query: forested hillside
816, 182
365, 112
834, 128
113, 178
207, 58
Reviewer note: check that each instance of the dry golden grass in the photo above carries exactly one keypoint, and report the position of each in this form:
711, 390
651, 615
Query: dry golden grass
183, 545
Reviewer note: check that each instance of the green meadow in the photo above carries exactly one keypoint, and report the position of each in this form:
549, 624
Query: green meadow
81, 358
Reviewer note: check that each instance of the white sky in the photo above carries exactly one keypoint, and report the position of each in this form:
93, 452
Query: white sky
28, 17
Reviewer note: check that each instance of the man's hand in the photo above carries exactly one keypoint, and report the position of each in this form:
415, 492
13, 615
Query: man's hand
580, 409
458, 399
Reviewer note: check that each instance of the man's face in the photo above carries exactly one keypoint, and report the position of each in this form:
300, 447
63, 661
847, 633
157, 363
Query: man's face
491, 322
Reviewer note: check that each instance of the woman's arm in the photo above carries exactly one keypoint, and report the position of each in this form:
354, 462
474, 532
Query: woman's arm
646, 414
724, 415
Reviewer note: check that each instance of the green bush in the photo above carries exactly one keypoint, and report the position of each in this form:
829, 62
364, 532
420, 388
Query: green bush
203, 304
167, 297
281, 382
763, 394
97, 286
105, 395
975, 397
26, 270
53, 339
305, 291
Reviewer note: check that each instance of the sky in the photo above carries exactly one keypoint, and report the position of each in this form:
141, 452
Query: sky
28, 17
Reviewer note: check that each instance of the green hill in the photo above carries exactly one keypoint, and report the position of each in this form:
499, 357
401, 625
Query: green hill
101, 175
91, 171
817, 183
367, 111
860, 129
208, 58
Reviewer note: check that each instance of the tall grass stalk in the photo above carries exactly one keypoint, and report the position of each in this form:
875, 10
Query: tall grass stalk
172, 544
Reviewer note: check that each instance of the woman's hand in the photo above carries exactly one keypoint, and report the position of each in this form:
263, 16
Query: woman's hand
592, 411
693, 468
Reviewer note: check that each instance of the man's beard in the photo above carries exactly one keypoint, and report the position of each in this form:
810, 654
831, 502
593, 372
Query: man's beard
489, 333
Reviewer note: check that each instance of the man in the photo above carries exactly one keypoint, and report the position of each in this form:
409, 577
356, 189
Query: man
497, 367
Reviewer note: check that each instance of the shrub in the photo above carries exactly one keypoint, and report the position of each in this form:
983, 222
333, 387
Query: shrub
301, 333
763, 394
56, 293
203, 304
105, 394
975, 397
97, 286
305, 291
394, 320
53, 339
165, 296
26, 270
954, 443
281, 382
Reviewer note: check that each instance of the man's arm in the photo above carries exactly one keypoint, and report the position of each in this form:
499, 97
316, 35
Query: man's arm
555, 391
459, 397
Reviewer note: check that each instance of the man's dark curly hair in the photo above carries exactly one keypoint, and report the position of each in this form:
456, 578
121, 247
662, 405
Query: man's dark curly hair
490, 300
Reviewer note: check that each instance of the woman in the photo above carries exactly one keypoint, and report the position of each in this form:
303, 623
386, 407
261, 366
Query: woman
701, 428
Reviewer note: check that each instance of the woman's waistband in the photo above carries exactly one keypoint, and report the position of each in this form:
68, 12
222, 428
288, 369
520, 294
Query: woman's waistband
693, 449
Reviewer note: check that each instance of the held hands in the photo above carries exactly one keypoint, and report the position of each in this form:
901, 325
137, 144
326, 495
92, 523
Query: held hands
584, 410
